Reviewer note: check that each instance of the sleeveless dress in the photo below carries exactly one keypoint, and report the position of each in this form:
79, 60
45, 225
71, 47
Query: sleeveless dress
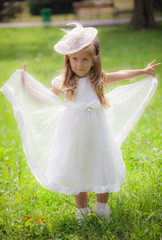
75, 146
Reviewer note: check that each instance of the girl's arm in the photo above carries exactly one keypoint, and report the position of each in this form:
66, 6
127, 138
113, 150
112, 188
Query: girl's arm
129, 74
36, 95
56, 91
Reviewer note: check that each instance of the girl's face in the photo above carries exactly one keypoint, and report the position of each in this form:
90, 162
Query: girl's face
81, 62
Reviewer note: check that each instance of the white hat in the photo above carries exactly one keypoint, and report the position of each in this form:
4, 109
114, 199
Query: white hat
76, 39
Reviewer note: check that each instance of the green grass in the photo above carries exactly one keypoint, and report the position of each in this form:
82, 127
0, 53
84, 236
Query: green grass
136, 207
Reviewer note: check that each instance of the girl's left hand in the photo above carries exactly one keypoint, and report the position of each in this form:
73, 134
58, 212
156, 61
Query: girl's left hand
149, 70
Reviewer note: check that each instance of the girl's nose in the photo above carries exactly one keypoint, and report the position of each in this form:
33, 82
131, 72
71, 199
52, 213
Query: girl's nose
79, 63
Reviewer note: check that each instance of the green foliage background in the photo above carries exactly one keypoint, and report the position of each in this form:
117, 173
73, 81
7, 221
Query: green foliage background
57, 7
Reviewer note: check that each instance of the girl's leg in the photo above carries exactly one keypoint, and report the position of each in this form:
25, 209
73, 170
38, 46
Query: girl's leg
82, 204
103, 197
82, 200
101, 207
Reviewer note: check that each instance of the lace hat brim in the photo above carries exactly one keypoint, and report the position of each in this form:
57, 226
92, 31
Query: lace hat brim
76, 39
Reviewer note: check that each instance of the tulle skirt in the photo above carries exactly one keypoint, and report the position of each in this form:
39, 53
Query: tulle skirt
84, 154
68, 148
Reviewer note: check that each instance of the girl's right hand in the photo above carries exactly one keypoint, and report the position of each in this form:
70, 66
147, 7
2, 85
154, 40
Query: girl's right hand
22, 80
24, 66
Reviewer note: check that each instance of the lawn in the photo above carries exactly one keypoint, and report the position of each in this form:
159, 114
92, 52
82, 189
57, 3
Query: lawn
28, 211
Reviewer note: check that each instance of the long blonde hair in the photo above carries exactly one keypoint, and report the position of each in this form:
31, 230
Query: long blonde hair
97, 75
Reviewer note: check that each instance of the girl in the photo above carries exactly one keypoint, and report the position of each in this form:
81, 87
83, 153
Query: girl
72, 144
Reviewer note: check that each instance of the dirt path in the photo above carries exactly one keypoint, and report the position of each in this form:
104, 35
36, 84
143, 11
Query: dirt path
92, 23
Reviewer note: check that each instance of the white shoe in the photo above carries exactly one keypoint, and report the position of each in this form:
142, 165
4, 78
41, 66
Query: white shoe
81, 213
102, 209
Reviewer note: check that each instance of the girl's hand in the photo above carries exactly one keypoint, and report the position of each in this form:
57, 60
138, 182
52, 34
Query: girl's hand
22, 80
149, 70
24, 66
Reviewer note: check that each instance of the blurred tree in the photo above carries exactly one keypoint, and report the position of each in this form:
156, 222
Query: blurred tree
8, 9
157, 5
143, 15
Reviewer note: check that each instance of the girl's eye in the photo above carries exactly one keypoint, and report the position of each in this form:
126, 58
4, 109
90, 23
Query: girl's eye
85, 59
74, 58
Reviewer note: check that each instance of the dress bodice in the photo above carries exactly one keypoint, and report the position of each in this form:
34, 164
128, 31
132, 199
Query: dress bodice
85, 92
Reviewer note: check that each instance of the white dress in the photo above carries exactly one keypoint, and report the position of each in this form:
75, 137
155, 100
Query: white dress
75, 146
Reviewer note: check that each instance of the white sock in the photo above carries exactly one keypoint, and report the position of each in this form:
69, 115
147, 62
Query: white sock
102, 209
82, 212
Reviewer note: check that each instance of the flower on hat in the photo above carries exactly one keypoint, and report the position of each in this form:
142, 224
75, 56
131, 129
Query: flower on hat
76, 33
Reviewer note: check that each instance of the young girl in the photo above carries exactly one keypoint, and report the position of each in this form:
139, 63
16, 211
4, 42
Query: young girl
72, 144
